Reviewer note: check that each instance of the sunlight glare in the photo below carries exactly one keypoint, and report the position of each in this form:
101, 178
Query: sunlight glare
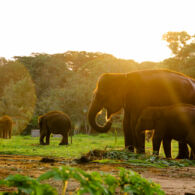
124, 28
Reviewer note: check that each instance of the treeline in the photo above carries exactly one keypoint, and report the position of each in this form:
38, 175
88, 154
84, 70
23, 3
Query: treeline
33, 85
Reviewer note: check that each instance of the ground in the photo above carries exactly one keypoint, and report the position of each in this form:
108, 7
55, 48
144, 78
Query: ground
173, 180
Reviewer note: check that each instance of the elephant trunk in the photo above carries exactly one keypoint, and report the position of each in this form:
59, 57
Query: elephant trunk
93, 111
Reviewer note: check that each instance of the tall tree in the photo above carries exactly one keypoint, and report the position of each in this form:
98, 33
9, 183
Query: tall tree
180, 43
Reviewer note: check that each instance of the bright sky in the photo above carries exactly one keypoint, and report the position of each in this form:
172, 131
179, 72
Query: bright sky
130, 29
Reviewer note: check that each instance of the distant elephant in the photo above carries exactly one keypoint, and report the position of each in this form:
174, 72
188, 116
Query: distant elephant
5, 127
169, 122
55, 122
135, 91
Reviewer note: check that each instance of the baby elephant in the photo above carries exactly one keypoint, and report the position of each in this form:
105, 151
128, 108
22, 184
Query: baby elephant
169, 122
5, 127
55, 122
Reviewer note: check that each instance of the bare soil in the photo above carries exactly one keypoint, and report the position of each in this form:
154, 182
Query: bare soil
173, 180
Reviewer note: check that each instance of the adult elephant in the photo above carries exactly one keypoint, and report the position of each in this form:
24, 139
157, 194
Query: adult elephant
135, 91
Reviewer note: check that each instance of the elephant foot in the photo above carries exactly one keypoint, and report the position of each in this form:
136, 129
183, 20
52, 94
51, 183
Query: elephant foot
130, 148
138, 151
63, 144
182, 156
192, 156
156, 153
183, 151
42, 143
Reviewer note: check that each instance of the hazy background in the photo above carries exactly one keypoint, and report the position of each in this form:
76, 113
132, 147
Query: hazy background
125, 28
61, 47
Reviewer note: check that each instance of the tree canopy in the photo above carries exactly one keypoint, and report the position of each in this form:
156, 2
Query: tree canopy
33, 85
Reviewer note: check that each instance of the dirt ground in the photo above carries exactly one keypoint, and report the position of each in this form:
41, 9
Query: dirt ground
173, 180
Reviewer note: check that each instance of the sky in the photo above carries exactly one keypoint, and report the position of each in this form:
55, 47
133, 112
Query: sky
128, 29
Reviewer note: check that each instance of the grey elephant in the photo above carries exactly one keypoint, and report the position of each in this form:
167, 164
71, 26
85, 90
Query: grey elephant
55, 122
169, 122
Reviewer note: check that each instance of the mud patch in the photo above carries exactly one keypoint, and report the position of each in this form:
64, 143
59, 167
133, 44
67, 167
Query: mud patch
173, 180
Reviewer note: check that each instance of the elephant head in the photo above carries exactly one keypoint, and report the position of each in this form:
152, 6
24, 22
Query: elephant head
148, 118
109, 94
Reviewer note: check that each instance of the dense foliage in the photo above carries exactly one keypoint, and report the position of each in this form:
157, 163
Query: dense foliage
17, 94
66, 81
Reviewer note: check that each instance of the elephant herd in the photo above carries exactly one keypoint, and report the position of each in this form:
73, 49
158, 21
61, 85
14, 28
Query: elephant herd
158, 100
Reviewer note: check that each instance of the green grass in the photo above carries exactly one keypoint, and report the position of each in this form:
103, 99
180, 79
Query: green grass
27, 145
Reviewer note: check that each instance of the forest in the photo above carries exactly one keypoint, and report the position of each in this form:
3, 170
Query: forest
33, 85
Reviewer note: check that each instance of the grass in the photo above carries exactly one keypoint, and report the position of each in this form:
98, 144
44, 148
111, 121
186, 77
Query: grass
27, 145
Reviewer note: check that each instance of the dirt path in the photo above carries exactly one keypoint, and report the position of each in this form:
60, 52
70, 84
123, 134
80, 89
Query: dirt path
173, 180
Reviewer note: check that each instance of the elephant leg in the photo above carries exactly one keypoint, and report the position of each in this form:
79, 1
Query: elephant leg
128, 133
42, 136
192, 155
140, 143
190, 140
167, 147
156, 143
183, 151
10, 134
64, 139
48, 138
138, 138
4, 133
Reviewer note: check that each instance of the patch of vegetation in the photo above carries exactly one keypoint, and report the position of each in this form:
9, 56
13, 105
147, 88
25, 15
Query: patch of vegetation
124, 156
94, 183
27, 145
26, 185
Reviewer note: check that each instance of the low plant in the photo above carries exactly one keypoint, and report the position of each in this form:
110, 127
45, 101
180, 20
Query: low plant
124, 156
95, 183
27, 185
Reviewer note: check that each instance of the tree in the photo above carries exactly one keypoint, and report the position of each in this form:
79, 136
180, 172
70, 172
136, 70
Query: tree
182, 46
178, 42
17, 94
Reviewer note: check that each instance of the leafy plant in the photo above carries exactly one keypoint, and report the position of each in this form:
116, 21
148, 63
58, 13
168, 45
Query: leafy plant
94, 183
123, 156
133, 183
27, 185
